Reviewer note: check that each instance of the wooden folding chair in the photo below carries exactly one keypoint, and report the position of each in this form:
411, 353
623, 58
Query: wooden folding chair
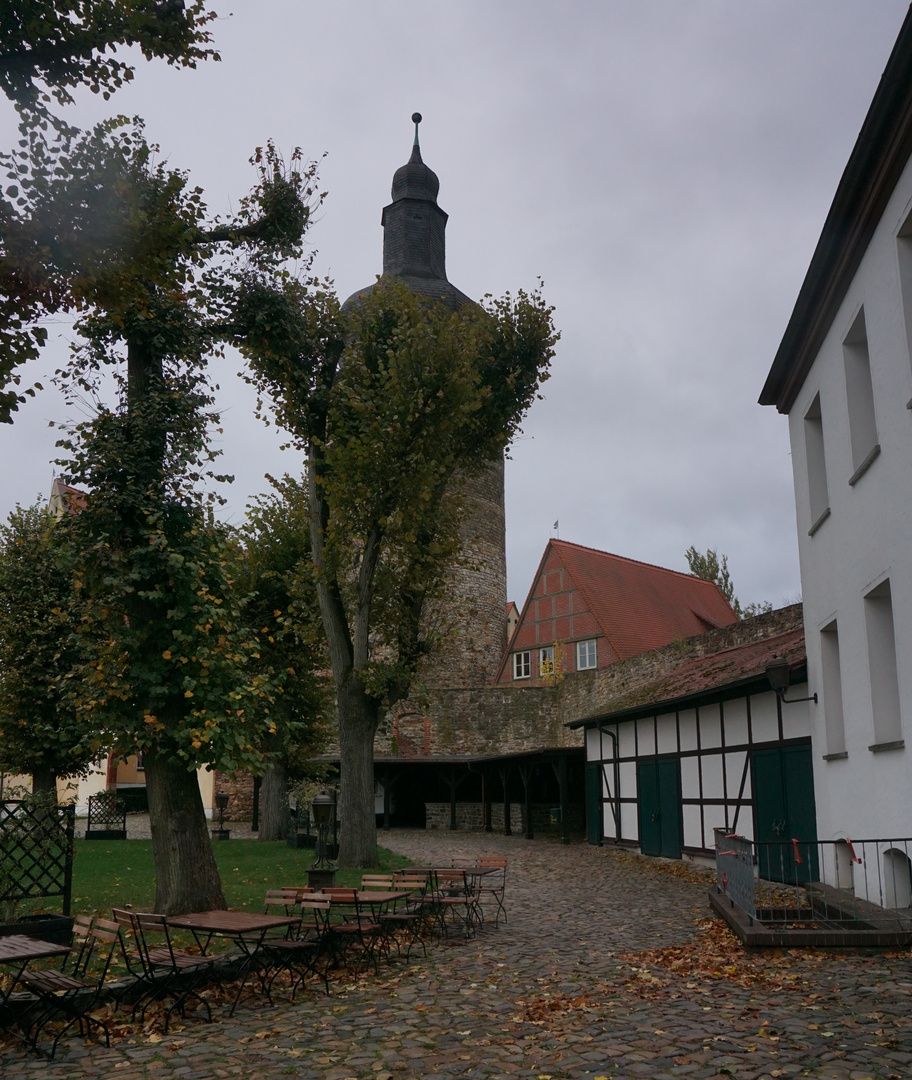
493, 884
167, 972
300, 955
76, 993
354, 928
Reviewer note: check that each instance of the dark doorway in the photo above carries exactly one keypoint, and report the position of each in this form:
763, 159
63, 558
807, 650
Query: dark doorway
659, 806
785, 812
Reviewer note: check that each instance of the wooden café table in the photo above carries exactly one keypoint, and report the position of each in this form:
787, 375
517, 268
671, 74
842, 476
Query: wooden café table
247, 929
18, 951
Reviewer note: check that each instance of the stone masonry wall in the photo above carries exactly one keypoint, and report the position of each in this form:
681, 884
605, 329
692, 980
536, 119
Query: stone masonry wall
506, 719
472, 615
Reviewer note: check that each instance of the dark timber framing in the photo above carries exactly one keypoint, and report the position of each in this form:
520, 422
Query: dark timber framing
712, 737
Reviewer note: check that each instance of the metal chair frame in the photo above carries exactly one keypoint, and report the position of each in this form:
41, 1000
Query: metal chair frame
76, 993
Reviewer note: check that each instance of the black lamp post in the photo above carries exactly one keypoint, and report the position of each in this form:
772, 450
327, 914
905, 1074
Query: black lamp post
221, 804
777, 671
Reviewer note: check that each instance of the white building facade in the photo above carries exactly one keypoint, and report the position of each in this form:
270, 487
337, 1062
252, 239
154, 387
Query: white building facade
843, 375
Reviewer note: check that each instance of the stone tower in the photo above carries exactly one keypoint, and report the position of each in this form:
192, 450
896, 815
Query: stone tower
414, 252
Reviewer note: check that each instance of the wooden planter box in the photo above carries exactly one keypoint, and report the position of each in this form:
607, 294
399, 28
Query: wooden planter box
55, 928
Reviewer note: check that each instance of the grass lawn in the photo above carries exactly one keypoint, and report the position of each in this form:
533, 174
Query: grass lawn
110, 874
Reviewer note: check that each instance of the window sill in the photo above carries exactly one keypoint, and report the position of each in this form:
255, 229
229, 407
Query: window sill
873, 455
880, 747
841, 756
819, 522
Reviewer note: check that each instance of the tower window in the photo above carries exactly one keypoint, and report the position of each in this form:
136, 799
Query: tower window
522, 665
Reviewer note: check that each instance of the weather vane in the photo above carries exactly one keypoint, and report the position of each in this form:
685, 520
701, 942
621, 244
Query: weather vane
416, 119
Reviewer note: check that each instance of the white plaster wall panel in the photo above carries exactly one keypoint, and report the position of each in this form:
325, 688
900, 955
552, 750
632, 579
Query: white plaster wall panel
609, 829
713, 818
764, 721
690, 778
710, 727
693, 831
606, 778
628, 779
629, 824
744, 825
711, 768
667, 741
626, 740
734, 771
687, 726
646, 736
597, 746
735, 721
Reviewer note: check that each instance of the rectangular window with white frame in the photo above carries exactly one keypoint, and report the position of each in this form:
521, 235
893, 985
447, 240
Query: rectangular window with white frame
546, 660
522, 665
586, 655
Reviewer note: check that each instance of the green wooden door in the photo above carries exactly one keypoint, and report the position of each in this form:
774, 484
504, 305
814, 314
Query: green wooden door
785, 811
659, 806
594, 811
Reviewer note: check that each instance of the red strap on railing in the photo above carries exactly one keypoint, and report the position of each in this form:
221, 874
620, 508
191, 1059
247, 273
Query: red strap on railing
798, 859
852, 851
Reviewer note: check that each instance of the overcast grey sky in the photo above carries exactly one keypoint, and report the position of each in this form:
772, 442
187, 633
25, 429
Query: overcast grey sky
664, 165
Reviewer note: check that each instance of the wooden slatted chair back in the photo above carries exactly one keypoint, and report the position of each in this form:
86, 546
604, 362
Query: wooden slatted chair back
286, 899
383, 882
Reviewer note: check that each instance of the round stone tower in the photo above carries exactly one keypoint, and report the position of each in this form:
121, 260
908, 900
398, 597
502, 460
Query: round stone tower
475, 606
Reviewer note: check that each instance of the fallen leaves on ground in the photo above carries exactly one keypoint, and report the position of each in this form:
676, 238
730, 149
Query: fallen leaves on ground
713, 955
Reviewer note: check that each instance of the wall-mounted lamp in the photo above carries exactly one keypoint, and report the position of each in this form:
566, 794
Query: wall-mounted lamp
777, 671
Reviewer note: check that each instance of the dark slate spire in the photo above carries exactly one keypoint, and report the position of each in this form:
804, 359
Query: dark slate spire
414, 241
413, 224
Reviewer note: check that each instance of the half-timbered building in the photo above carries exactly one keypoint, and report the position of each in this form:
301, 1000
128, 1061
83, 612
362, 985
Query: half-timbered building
708, 744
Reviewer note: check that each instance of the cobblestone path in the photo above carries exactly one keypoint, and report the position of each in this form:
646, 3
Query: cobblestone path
556, 992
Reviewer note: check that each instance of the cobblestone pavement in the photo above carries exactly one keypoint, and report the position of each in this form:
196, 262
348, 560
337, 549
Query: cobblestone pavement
553, 993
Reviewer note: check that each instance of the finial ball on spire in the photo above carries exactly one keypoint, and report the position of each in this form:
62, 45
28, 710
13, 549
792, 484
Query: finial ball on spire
416, 117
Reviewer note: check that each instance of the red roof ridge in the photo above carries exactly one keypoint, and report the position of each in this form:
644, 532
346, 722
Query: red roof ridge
639, 562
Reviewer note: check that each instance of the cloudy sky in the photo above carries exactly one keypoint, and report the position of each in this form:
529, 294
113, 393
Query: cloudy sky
665, 166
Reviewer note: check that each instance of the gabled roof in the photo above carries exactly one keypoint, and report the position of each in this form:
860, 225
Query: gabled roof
66, 500
881, 152
707, 675
637, 606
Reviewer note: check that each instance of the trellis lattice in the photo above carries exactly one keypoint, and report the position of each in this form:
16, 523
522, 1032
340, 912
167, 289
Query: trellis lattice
36, 852
107, 817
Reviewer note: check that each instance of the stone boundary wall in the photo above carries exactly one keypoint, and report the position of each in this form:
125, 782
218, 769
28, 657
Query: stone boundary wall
506, 719
470, 817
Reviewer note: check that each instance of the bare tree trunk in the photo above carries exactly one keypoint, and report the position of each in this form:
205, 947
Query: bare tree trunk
186, 875
358, 719
274, 804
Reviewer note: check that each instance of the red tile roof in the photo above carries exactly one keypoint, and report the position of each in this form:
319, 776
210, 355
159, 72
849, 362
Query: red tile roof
639, 606
706, 674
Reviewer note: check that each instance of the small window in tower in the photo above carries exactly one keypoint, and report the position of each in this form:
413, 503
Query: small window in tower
586, 655
546, 661
522, 665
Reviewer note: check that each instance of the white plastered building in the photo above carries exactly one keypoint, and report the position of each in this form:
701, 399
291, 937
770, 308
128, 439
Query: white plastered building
843, 376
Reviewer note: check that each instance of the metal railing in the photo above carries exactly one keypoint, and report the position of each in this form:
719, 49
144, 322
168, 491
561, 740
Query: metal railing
821, 884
